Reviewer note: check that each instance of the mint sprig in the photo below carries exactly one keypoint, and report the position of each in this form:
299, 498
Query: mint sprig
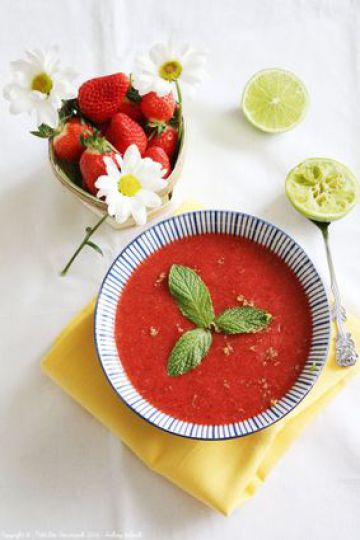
189, 351
194, 301
192, 295
242, 320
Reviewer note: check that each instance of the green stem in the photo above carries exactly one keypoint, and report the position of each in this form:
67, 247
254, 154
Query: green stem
180, 113
89, 232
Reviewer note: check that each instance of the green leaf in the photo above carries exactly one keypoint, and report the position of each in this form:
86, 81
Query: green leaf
240, 320
133, 95
192, 295
174, 121
44, 131
189, 351
69, 109
156, 127
96, 141
94, 246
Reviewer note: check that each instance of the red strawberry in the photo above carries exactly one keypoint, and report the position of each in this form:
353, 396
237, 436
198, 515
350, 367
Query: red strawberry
92, 166
132, 109
123, 131
103, 127
92, 163
167, 140
158, 109
158, 154
100, 98
66, 142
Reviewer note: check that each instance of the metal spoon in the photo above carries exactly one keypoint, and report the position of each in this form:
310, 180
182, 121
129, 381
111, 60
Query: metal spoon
346, 354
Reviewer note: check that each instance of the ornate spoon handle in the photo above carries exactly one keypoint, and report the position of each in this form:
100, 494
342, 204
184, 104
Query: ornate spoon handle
346, 354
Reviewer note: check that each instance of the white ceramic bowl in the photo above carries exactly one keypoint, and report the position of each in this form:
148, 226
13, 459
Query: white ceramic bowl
190, 224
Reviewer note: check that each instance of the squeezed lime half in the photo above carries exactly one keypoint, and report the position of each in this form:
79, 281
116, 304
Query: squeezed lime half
322, 189
275, 100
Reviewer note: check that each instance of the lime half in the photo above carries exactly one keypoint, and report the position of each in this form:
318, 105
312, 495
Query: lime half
275, 100
322, 189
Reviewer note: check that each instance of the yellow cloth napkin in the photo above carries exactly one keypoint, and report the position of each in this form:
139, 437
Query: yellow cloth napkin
221, 474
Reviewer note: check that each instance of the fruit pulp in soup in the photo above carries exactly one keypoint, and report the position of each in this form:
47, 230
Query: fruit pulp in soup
242, 375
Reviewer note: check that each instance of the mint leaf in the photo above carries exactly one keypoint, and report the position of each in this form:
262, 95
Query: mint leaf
192, 295
240, 320
194, 301
189, 351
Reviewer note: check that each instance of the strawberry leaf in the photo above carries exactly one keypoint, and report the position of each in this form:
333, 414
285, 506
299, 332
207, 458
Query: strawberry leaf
156, 128
69, 109
44, 132
133, 95
95, 141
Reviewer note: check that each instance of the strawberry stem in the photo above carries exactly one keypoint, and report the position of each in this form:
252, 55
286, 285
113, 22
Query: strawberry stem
89, 232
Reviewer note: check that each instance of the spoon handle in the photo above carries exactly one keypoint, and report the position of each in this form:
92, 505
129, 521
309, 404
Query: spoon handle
346, 354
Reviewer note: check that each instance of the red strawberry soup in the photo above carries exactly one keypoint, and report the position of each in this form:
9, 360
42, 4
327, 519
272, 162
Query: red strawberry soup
241, 375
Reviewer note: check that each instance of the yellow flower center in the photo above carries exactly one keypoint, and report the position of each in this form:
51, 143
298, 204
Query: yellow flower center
129, 185
170, 70
42, 83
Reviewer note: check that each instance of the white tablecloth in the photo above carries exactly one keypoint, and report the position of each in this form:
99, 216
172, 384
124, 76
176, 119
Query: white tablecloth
61, 472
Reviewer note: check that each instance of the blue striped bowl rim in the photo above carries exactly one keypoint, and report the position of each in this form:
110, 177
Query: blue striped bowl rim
190, 224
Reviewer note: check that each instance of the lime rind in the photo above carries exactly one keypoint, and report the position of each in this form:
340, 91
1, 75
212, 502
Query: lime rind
322, 189
275, 100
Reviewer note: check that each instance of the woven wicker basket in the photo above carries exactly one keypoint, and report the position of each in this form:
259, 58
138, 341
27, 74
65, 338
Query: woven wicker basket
69, 176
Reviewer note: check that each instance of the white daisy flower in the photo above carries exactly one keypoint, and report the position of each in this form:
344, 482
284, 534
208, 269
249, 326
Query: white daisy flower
39, 83
165, 64
133, 188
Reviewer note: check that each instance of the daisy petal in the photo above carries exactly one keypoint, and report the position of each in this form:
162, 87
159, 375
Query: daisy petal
24, 67
132, 196
192, 79
138, 212
161, 87
148, 198
53, 84
114, 204
64, 89
119, 160
158, 54
130, 159
111, 168
146, 83
46, 114
19, 98
147, 76
123, 211
106, 183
